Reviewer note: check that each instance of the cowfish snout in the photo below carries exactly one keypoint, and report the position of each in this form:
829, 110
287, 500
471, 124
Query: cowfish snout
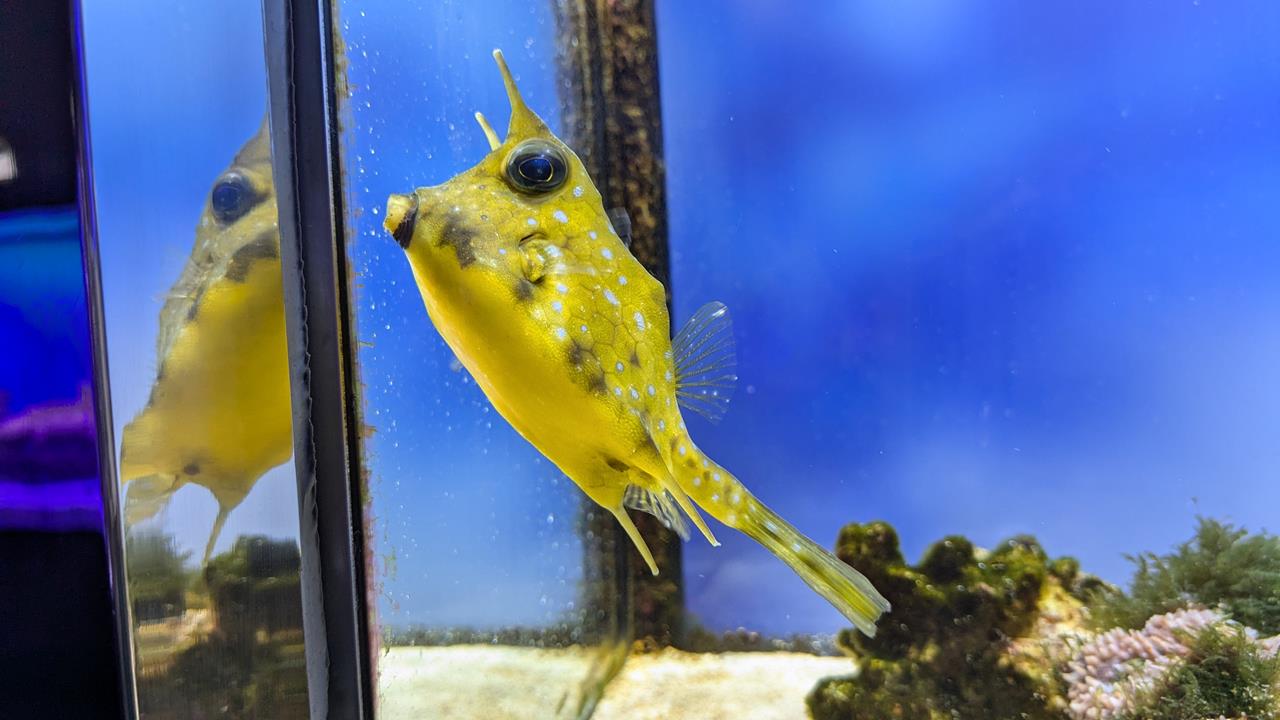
402, 216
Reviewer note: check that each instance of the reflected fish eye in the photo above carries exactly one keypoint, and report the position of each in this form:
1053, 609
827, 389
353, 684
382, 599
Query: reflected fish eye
232, 197
537, 166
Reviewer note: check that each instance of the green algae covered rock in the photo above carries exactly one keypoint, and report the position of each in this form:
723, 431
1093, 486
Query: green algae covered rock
948, 648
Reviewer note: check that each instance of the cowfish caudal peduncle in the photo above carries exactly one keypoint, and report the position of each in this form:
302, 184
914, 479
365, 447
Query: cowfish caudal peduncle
568, 335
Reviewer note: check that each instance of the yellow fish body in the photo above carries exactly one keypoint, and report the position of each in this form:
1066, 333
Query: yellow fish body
568, 335
219, 413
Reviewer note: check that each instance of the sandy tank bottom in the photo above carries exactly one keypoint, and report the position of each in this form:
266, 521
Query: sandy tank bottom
474, 682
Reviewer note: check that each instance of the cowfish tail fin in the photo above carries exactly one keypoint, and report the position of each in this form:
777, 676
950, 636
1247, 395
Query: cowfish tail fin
841, 585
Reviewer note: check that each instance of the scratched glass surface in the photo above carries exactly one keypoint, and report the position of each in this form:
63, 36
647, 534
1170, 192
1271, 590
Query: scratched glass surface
199, 390
995, 274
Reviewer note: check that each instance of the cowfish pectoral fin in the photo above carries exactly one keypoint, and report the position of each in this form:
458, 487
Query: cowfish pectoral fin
842, 586
706, 362
624, 519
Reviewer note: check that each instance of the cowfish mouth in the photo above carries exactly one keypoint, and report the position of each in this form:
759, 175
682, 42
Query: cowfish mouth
402, 217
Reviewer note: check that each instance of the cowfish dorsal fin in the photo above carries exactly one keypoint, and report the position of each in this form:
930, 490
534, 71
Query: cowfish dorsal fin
706, 362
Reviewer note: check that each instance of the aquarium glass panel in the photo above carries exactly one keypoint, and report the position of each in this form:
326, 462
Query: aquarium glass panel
490, 602
968, 357
194, 317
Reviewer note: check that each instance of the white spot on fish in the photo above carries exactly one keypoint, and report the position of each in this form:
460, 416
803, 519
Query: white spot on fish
622, 279
502, 251
716, 477
697, 481
619, 366
731, 518
617, 391
735, 497
662, 425
639, 320
715, 497
560, 333
608, 295
667, 354
559, 215
562, 288
635, 395
557, 306
583, 328
652, 391
795, 546
457, 209
669, 376
553, 251
591, 234
532, 222
771, 525
683, 450
577, 191
607, 253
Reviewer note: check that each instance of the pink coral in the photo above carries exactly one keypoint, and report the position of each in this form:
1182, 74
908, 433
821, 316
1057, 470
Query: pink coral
1106, 673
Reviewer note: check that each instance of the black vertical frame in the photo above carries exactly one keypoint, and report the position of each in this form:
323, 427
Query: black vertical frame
112, 519
303, 96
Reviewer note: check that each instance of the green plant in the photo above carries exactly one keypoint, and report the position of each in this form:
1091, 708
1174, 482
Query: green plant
1226, 675
1221, 566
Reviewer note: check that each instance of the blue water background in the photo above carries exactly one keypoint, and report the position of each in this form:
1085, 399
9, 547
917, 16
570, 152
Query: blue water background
994, 269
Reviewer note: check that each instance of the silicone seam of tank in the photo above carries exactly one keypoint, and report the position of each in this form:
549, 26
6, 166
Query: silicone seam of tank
302, 82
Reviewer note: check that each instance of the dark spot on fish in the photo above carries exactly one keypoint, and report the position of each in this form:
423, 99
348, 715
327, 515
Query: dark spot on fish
192, 469
265, 247
706, 476
404, 231
523, 290
460, 237
673, 443
597, 385
617, 464
635, 359
577, 354
195, 305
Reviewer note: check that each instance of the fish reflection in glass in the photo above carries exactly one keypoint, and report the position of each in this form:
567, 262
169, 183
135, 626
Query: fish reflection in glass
526, 278
218, 414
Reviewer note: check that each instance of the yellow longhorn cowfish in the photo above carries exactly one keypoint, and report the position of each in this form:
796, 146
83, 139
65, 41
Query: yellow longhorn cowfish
524, 276
219, 413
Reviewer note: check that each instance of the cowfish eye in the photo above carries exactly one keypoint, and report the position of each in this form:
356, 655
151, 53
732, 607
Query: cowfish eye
537, 166
232, 197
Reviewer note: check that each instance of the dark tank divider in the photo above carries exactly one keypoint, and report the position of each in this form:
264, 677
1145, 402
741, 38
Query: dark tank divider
303, 91
608, 61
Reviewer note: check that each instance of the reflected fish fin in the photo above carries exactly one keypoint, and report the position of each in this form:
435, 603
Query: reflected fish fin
218, 522
706, 362
658, 504
148, 495
621, 222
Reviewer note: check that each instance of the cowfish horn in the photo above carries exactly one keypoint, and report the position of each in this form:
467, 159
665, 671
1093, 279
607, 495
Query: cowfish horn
524, 122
